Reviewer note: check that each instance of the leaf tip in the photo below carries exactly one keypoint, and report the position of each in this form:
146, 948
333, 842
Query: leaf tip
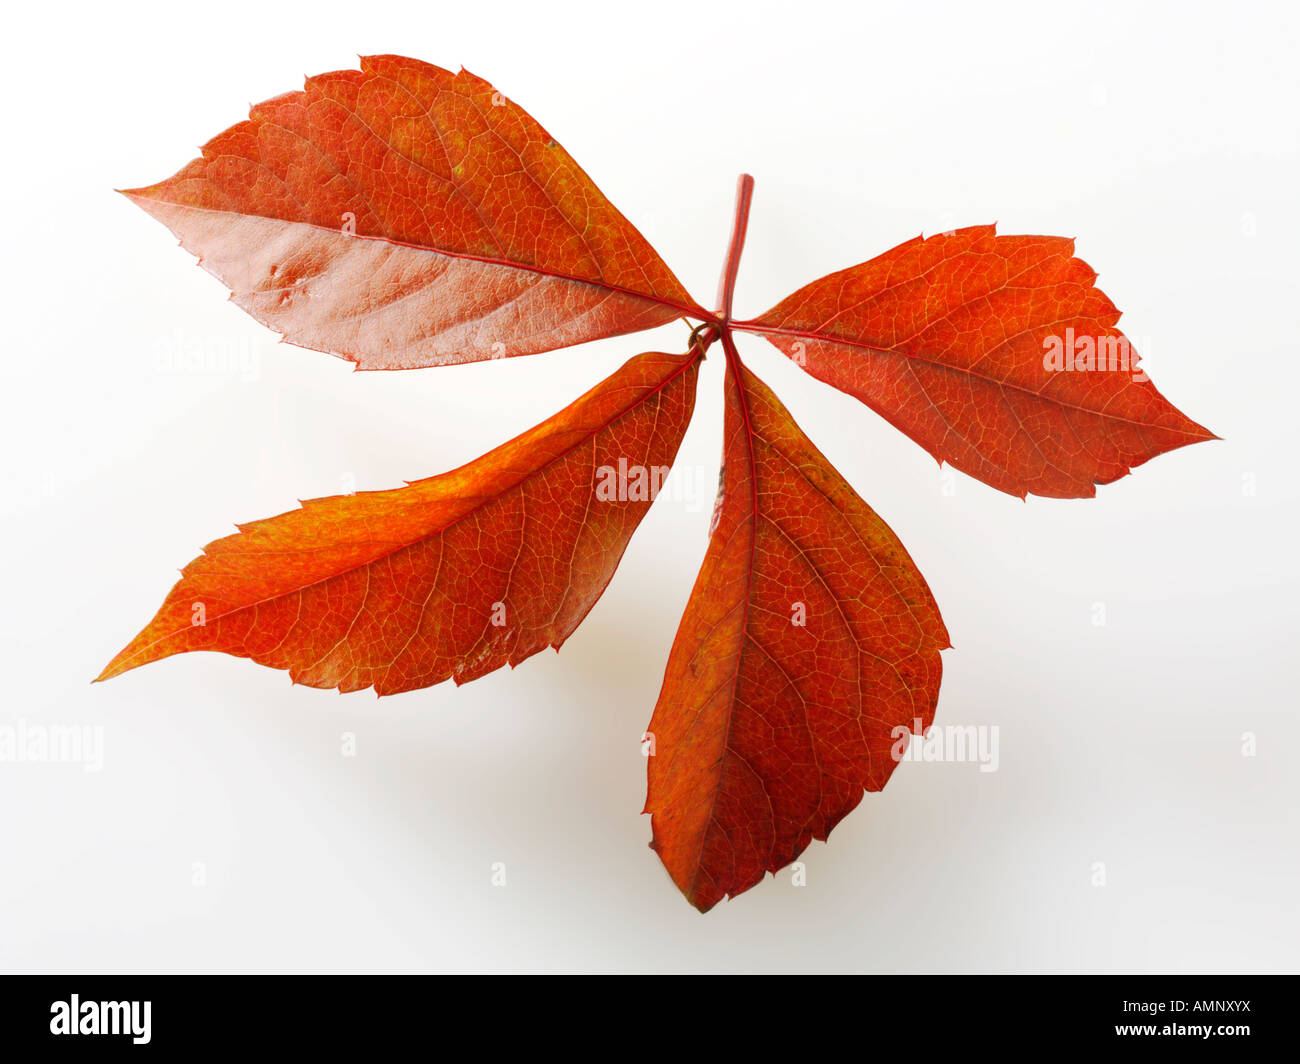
135, 195
113, 668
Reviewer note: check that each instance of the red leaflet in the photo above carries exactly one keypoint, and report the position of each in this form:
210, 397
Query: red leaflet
809, 638
452, 576
402, 216
984, 349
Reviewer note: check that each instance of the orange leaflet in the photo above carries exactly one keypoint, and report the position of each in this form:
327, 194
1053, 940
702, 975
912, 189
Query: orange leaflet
401, 215
809, 637
452, 576
994, 353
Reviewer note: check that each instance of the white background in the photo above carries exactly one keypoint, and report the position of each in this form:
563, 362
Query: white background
1163, 137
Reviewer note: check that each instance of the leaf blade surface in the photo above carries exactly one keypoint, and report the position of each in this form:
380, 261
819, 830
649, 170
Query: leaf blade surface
403, 216
449, 577
767, 730
948, 338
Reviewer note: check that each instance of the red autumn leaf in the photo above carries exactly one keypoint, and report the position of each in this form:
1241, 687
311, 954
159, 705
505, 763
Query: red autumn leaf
948, 339
809, 638
452, 576
401, 215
